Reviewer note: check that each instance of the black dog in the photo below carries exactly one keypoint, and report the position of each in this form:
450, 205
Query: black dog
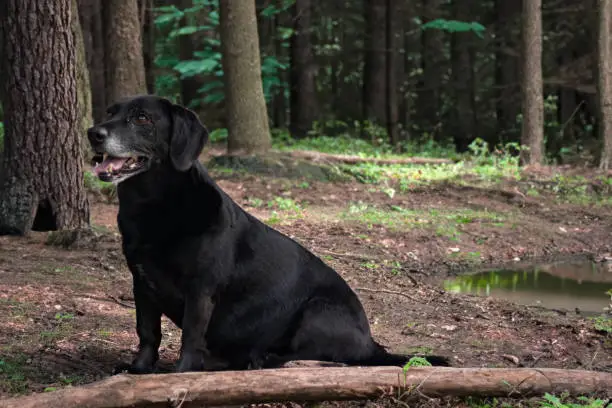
245, 295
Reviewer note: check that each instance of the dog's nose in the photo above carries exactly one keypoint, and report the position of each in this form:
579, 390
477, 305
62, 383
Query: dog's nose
97, 134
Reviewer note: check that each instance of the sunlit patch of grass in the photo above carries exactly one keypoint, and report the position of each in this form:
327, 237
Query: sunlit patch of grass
446, 223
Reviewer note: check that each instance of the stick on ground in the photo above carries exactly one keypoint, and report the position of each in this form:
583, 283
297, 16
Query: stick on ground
316, 384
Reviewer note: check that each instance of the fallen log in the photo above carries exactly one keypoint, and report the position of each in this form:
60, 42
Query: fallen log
316, 384
346, 159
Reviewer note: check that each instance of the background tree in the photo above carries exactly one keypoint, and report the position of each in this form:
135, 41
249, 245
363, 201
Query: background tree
42, 186
533, 104
302, 72
247, 117
124, 63
375, 61
604, 83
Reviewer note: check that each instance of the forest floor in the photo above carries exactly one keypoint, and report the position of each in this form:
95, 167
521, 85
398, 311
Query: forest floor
66, 317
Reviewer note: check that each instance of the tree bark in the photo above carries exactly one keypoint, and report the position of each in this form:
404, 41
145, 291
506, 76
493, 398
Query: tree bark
317, 384
148, 42
83, 84
189, 85
533, 101
247, 118
125, 73
604, 82
507, 56
391, 74
375, 68
90, 12
303, 94
42, 187
464, 111
432, 63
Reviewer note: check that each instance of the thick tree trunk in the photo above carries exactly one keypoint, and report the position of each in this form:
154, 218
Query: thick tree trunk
391, 74
317, 384
90, 12
303, 97
604, 82
432, 63
533, 101
507, 58
375, 68
42, 187
247, 118
83, 84
125, 73
464, 112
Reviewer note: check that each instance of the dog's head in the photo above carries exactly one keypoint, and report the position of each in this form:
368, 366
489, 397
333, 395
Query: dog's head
142, 132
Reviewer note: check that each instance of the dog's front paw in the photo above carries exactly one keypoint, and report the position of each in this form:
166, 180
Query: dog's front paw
132, 369
190, 362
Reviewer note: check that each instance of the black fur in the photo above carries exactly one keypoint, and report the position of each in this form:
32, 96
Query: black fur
244, 294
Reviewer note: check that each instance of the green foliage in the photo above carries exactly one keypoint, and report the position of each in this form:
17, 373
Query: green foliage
206, 61
416, 362
454, 26
12, 374
552, 401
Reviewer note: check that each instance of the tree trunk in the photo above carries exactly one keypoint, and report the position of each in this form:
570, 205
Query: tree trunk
90, 12
125, 73
280, 100
432, 59
374, 70
533, 101
247, 118
189, 85
303, 97
464, 112
391, 74
507, 70
604, 82
148, 42
83, 85
317, 384
42, 187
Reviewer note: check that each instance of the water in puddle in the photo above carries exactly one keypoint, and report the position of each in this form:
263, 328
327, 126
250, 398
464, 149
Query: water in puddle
562, 285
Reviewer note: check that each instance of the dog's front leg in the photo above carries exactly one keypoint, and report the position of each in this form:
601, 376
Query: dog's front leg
194, 351
148, 328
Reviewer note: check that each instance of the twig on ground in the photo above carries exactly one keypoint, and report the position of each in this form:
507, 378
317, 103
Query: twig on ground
387, 291
121, 303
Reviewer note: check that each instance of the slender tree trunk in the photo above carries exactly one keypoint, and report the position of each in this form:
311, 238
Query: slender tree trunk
280, 101
83, 85
533, 100
148, 42
42, 187
125, 73
303, 97
604, 82
391, 65
507, 57
90, 12
375, 71
432, 64
464, 112
189, 85
247, 118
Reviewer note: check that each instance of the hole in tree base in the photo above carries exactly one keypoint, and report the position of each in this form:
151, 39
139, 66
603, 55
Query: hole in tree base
44, 219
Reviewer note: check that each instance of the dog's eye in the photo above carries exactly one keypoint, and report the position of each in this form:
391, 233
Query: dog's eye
142, 119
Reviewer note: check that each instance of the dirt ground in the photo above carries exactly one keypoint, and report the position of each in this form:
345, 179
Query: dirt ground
67, 318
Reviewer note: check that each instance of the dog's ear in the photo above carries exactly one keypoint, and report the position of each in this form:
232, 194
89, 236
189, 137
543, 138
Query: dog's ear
188, 138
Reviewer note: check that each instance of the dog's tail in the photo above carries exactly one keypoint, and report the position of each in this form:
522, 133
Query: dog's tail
380, 357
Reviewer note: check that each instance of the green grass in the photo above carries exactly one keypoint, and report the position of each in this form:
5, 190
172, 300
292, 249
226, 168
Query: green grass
13, 375
445, 222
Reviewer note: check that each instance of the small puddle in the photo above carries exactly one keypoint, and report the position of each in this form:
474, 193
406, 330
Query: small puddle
563, 285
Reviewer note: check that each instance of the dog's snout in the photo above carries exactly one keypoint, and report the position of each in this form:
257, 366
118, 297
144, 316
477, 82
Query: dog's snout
97, 134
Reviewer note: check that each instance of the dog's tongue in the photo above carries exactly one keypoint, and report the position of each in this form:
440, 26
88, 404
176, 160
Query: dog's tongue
115, 162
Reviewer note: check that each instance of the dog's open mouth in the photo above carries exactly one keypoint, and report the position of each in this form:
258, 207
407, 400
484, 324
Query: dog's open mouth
110, 168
